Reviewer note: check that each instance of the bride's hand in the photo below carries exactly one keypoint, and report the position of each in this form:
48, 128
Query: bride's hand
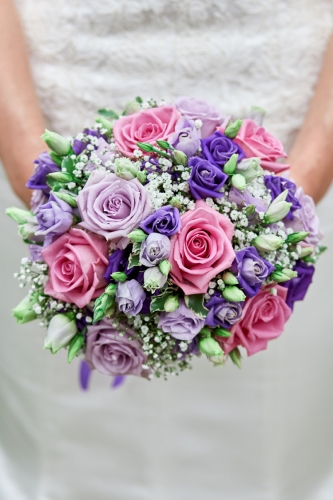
311, 157
21, 121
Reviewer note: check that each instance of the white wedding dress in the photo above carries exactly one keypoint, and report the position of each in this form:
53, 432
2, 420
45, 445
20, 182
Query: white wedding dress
262, 433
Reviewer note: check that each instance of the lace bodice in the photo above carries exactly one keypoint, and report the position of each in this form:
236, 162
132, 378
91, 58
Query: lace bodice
237, 53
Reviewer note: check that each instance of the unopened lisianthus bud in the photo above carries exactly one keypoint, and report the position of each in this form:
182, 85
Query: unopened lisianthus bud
61, 330
233, 294
137, 235
249, 168
180, 157
210, 347
232, 128
238, 182
24, 311
119, 276
236, 357
165, 267
19, 215
154, 279
222, 332
171, 304
283, 275
278, 209
229, 278
231, 165
305, 252
297, 237
57, 143
125, 168
267, 242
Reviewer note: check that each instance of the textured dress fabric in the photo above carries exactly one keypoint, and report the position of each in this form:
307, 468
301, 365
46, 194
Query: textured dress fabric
262, 433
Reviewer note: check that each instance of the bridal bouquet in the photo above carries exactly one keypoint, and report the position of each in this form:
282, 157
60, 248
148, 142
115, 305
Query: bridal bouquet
162, 234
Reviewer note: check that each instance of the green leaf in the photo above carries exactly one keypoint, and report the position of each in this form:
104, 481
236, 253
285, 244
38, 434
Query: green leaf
74, 346
157, 303
56, 158
139, 99
68, 164
68, 198
195, 303
108, 113
136, 247
134, 260
63, 177
322, 249
309, 259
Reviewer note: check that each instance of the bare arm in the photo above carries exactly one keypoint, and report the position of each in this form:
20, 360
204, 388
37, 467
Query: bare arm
311, 157
21, 121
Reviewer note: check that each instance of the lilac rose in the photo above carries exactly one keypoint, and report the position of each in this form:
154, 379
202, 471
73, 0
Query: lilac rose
198, 109
186, 138
44, 165
206, 180
114, 350
54, 219
130, 297
276, 185
218, 149
182, 324
297, 287
222, 313
306, 216
35, 253
166, 220
251, 270
154, 249
113, 207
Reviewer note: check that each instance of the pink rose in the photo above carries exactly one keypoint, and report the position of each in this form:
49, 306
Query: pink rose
263, 319
201, 249
145, 126
77, 262
257, 142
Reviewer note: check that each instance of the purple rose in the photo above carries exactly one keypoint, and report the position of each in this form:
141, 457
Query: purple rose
54, 218
198, 109
251, 269
206, 179
222, 313
297, 287
44, 165
154, 249
78, 146
308, 218
166, 220
218, 149
182, 323
186, 138
130, 297
35, 252
277, 185
113, 207
38, 198
114, 351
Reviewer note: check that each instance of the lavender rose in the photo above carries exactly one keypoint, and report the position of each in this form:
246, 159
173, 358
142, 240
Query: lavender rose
218, 149
38, 198
44, 165
35, 252
186, 138
198, 109
154, 249
276, 185
297, 287
114, 351
112, 207
308, 217
206, 179
182, 323
166, 220
130, 297
251, 269
54, 218
222, 313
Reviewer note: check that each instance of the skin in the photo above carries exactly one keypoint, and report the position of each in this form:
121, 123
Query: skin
22, 123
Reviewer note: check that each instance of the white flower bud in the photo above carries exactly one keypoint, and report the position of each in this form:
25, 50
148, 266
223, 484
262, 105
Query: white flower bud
61, 330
